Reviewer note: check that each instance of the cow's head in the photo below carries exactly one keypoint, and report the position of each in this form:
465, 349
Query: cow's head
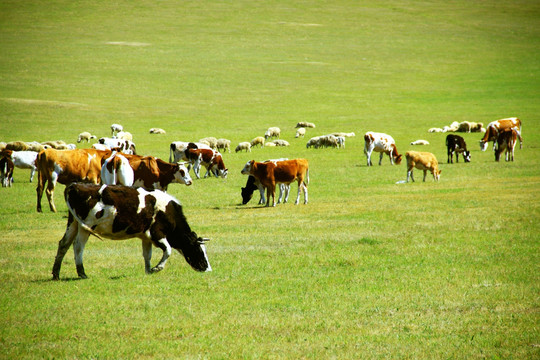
437, 174
483, 145
247, 168
467, 156
397, 159
181, 175
194, 252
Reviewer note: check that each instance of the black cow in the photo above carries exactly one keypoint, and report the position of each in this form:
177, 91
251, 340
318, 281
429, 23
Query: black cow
455, 143
120, 212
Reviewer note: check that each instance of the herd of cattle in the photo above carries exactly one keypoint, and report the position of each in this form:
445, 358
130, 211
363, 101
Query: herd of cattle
115, 193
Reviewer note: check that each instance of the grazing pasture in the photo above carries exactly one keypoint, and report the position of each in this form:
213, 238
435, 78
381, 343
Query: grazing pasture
370, 268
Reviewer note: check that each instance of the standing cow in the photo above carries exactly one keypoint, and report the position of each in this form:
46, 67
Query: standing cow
456, 144
271, 173
210, 158
121, 212
506, 141
423, 161
382, 143
495, 127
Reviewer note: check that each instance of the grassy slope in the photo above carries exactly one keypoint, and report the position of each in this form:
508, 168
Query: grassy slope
368, 267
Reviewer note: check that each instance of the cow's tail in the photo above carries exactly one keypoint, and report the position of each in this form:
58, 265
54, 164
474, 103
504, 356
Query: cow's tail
307, 177
171, 150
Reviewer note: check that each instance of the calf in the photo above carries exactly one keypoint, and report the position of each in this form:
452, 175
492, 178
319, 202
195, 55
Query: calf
6, 171
65, 167
424, 161
22, 160
506, 141
287, 171
253, 184
455, 143
211, 159
383, 144
120, 212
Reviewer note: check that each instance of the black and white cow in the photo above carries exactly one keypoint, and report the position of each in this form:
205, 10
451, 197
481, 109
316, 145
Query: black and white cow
455, 143
119, 212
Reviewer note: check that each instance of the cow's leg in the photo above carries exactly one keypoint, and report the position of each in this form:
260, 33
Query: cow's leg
78, 249
163, 244
448, 156
280, 194
391, 155
50, 196
425, 174
286, 190
271, 192
63, 246
410, 173
380, 158
42, 181
147, 255
197, 168
32, 173
262, 200
301, 187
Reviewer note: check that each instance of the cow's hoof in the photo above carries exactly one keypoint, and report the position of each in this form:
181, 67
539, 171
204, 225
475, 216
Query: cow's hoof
156, 269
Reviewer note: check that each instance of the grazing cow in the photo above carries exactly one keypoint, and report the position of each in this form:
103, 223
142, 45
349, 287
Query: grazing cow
145, 171
85, 136
6, 171
243, 146
455, 143
121, 212
211, 159
424, 161
22, 160
495, 127
125, 146
65, 167
253, 184
383, 144
287, 171
506, 141
177, 150
272, 132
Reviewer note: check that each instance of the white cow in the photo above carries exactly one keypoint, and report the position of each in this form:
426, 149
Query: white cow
117, 171
383, 144
22, 160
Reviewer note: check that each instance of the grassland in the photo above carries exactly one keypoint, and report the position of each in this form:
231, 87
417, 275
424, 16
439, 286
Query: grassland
368, 269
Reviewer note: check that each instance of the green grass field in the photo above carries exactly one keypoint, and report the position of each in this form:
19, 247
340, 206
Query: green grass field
369, 268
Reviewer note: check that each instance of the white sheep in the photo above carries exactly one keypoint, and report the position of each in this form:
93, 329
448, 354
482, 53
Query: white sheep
300, 132
223, 144
85, 136
303, 124
421, 142
116, 128
157, 131
281, 143
124, 135
243, 146
272, 132
259, 140
210, 141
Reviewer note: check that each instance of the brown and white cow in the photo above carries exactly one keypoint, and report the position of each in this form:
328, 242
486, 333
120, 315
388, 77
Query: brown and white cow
506, 141
65, 167
423, 161
456, 144
120, 212
211, 159
271, 173
6, 171
382, 143
495, 127
145, 171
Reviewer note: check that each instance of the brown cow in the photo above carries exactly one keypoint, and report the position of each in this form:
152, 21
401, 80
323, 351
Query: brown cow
210, 158
424, 161
506, 141
65, 167
495, 127
285, 172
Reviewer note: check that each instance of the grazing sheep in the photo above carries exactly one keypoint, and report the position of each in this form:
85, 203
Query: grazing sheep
223, 144
157, 131
115, 129
344, 134
243, 146
281, 143
300, 132
435, 130
467, 126
85, 136
340, 141
423, 161
259, 140
420, 142
124, 135
17, 146
314, 141
304, 124
210, 141
272, 132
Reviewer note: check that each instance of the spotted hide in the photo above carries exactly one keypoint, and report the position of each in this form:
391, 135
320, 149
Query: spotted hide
119, 212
